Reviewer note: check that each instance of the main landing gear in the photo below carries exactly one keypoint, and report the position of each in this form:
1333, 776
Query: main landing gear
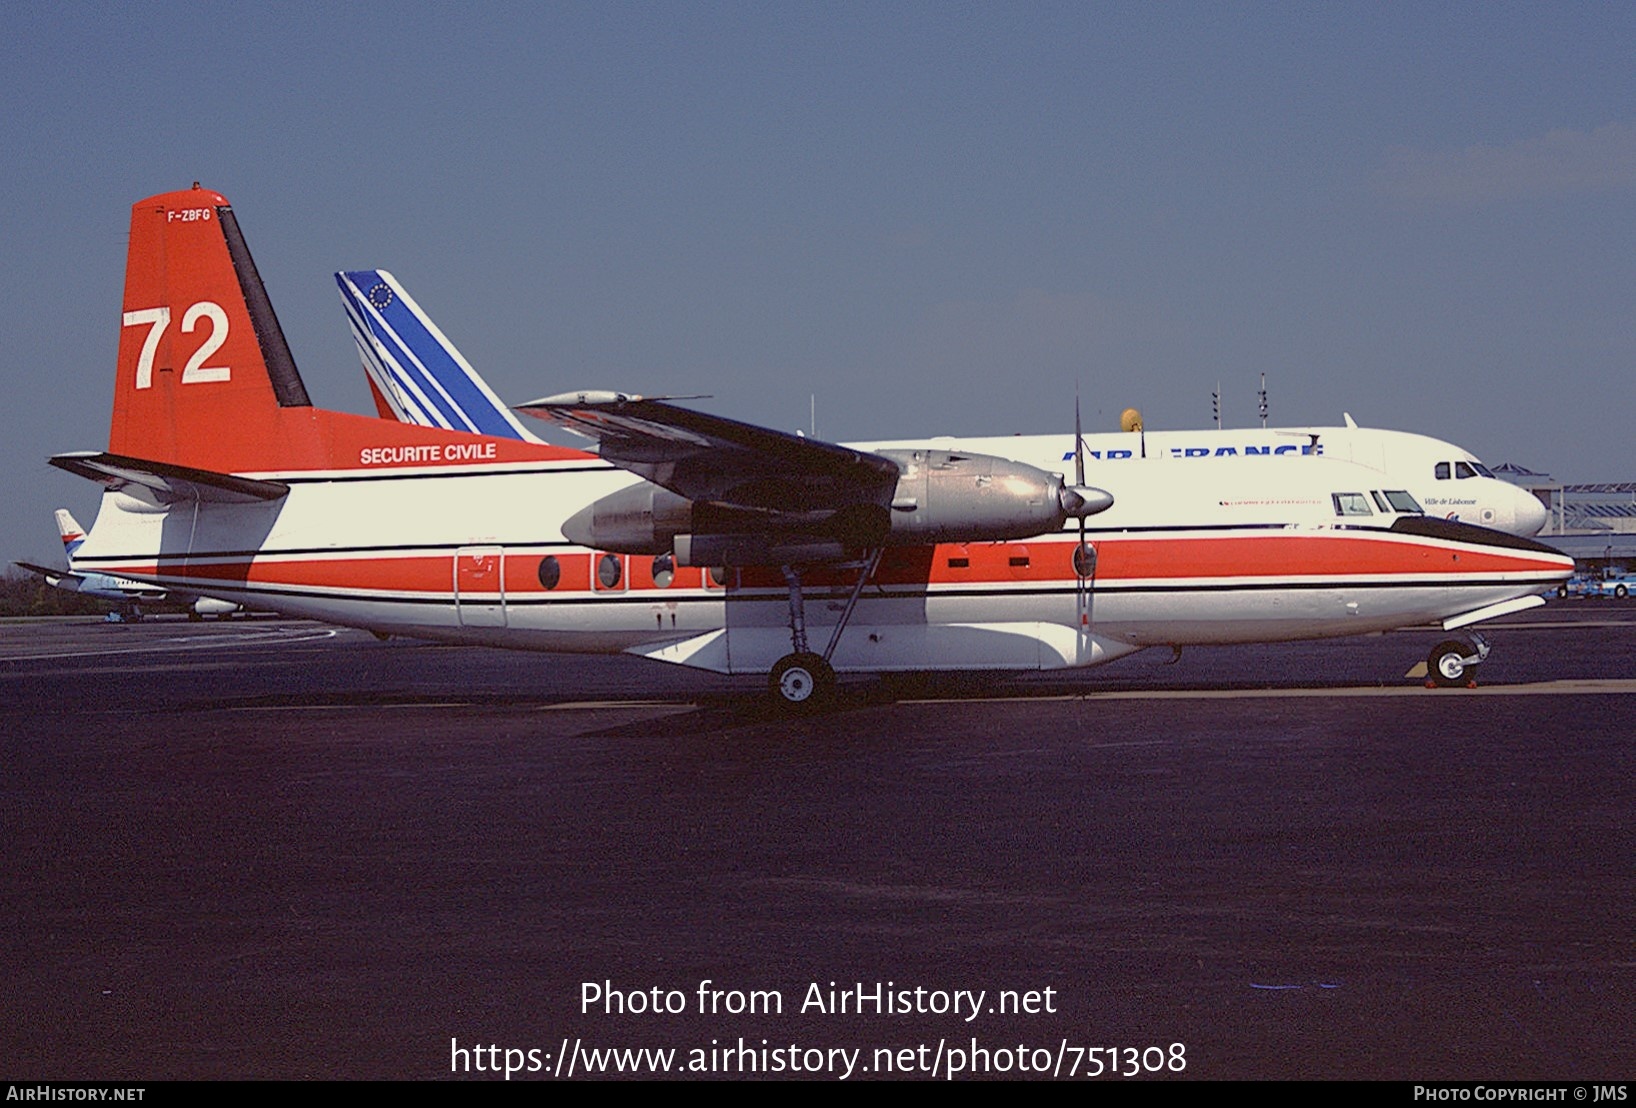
1453, 664
803, 681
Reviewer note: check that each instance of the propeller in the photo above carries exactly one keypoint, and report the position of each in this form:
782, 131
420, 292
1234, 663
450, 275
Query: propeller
1080, 499
1088, 501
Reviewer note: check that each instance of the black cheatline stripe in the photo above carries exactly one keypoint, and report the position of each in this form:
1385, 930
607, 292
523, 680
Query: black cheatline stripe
1108, 590
194, 586
1167, 527
656, 595
511, 549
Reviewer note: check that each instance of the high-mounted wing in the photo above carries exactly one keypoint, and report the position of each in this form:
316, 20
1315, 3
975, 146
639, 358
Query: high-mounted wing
723, 492
719, 461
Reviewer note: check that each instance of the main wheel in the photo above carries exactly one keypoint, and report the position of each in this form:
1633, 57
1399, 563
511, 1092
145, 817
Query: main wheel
802, 682
1562, 591
1620, 591
1446, 665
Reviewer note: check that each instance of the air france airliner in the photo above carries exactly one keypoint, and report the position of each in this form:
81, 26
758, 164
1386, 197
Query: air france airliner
417, 375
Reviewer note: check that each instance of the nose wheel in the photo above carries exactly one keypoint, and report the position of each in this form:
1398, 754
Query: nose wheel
1453, 664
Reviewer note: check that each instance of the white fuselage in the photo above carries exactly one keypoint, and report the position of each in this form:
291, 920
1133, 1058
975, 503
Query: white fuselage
1202, 550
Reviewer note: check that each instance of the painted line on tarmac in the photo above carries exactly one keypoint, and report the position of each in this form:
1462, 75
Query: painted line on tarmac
584, 705
192, 642
571, 706
1613, 687
1535, 625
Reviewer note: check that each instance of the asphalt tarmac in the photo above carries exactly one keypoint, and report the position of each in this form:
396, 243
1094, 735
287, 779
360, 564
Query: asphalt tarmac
277, 850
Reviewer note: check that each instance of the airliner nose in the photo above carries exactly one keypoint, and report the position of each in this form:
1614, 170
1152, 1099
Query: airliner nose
1531, 514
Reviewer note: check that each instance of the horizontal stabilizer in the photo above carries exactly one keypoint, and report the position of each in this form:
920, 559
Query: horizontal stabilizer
51, 575
168, 483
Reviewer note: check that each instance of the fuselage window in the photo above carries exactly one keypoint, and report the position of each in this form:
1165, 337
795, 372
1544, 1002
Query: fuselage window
550, 572
1351, 504
664, 570
1085, 560
608, 571
1442, 471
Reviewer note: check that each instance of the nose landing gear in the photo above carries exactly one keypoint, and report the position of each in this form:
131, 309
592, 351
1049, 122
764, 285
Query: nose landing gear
1453, 664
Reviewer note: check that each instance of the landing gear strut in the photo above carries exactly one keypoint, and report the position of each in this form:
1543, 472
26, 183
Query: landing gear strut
803, 681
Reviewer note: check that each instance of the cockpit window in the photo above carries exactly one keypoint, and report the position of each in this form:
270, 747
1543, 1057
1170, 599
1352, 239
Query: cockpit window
1462, 470
1442, 471
1401, 501
1351, 504
1481, 468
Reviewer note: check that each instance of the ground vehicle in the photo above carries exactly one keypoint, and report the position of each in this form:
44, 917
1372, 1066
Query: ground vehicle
1608, 581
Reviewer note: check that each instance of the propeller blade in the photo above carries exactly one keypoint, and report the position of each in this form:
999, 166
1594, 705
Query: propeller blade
1079, 443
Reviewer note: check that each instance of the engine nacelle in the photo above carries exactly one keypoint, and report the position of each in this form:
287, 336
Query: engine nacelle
940, 496
641, 519
953, 496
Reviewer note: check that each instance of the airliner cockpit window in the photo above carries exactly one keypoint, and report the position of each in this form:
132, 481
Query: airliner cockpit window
1442, 471
1351, 504
1481, 468
1401, 501
1462, 470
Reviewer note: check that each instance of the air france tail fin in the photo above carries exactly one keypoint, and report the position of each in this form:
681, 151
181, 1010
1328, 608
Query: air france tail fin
416, 374
73, 535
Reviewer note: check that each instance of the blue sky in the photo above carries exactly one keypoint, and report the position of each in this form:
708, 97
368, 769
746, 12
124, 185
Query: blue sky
936, 218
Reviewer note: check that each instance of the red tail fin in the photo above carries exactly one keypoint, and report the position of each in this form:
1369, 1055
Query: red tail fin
205, 379
203, 367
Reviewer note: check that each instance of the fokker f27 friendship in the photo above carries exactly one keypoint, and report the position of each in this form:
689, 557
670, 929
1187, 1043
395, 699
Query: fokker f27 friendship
708, 542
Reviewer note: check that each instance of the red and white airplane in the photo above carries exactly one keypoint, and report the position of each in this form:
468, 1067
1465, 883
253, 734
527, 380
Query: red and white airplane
704, 541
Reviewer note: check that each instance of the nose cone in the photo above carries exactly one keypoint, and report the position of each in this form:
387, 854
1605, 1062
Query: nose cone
1531, 514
